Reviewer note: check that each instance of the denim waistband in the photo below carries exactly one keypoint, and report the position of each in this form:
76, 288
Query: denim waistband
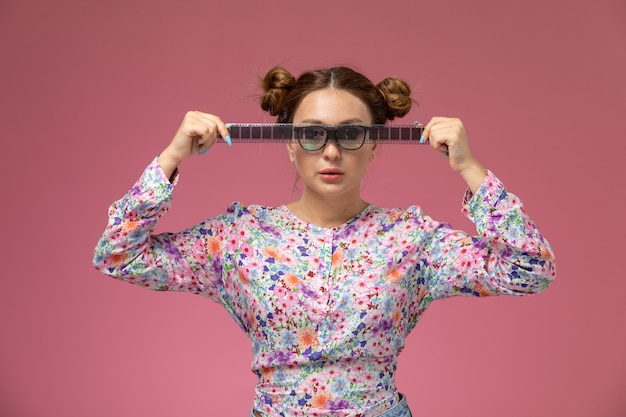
399, 410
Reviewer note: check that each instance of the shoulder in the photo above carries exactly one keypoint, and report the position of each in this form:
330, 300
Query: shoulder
386, 219
237, 210
395, 213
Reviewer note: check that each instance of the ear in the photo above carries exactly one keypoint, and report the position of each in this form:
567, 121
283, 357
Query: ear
290, 151
373, 152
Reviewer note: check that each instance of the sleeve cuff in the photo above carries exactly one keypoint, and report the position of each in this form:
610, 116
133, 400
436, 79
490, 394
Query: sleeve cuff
154, 174
479, 205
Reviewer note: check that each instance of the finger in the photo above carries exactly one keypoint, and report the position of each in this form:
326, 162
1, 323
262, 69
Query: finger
201, 133
225, 133
442, 136
426, 132
202, 146
218, 127
428, 129
447, 130
439, 144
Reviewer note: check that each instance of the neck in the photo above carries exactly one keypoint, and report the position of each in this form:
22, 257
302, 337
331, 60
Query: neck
326, 211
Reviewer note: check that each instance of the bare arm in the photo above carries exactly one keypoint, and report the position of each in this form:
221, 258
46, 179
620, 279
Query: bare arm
447, 135
197, 133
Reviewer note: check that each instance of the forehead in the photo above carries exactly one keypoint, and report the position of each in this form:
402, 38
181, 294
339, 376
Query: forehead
332, 106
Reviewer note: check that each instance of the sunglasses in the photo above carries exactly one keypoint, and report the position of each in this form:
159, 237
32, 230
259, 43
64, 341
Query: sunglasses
315, 137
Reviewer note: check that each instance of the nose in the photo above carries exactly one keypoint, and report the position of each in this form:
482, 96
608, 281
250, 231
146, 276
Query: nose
332, 150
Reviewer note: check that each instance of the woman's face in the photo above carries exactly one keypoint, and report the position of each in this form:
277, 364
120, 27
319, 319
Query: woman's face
332, 170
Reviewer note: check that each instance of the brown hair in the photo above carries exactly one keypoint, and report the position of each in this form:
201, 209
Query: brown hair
283, 93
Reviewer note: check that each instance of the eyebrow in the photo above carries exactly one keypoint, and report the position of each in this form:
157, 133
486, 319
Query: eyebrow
344, 122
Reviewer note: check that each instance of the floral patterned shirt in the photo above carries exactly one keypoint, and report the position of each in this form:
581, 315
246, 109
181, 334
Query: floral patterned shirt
327, 309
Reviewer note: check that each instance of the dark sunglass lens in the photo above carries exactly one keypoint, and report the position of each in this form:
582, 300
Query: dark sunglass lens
351, 132
312, 138
351, 137
314, 133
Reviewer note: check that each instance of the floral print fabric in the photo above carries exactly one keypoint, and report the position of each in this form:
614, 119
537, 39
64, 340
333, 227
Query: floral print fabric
327, 309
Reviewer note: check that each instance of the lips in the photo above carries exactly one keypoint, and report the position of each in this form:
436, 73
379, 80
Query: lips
330, 174
331, 171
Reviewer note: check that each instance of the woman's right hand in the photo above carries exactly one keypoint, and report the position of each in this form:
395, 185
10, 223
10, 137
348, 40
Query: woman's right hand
197, 133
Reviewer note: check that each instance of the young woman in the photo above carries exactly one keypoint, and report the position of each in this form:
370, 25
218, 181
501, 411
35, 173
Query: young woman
327, 287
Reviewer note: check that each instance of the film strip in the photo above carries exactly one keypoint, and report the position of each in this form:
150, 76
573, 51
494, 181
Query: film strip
281, 133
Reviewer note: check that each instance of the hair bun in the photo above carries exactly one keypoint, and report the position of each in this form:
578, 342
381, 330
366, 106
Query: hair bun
276, 85
397, 93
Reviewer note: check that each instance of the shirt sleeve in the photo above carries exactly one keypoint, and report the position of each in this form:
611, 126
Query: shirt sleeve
508, 256
188, 261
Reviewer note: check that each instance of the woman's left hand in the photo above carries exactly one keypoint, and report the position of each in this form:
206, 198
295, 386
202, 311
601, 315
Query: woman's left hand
447, 135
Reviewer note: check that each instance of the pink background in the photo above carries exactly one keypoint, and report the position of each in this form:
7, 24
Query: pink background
91, 91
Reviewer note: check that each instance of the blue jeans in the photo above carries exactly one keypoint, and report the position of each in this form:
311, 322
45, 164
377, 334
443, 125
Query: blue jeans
399, 410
